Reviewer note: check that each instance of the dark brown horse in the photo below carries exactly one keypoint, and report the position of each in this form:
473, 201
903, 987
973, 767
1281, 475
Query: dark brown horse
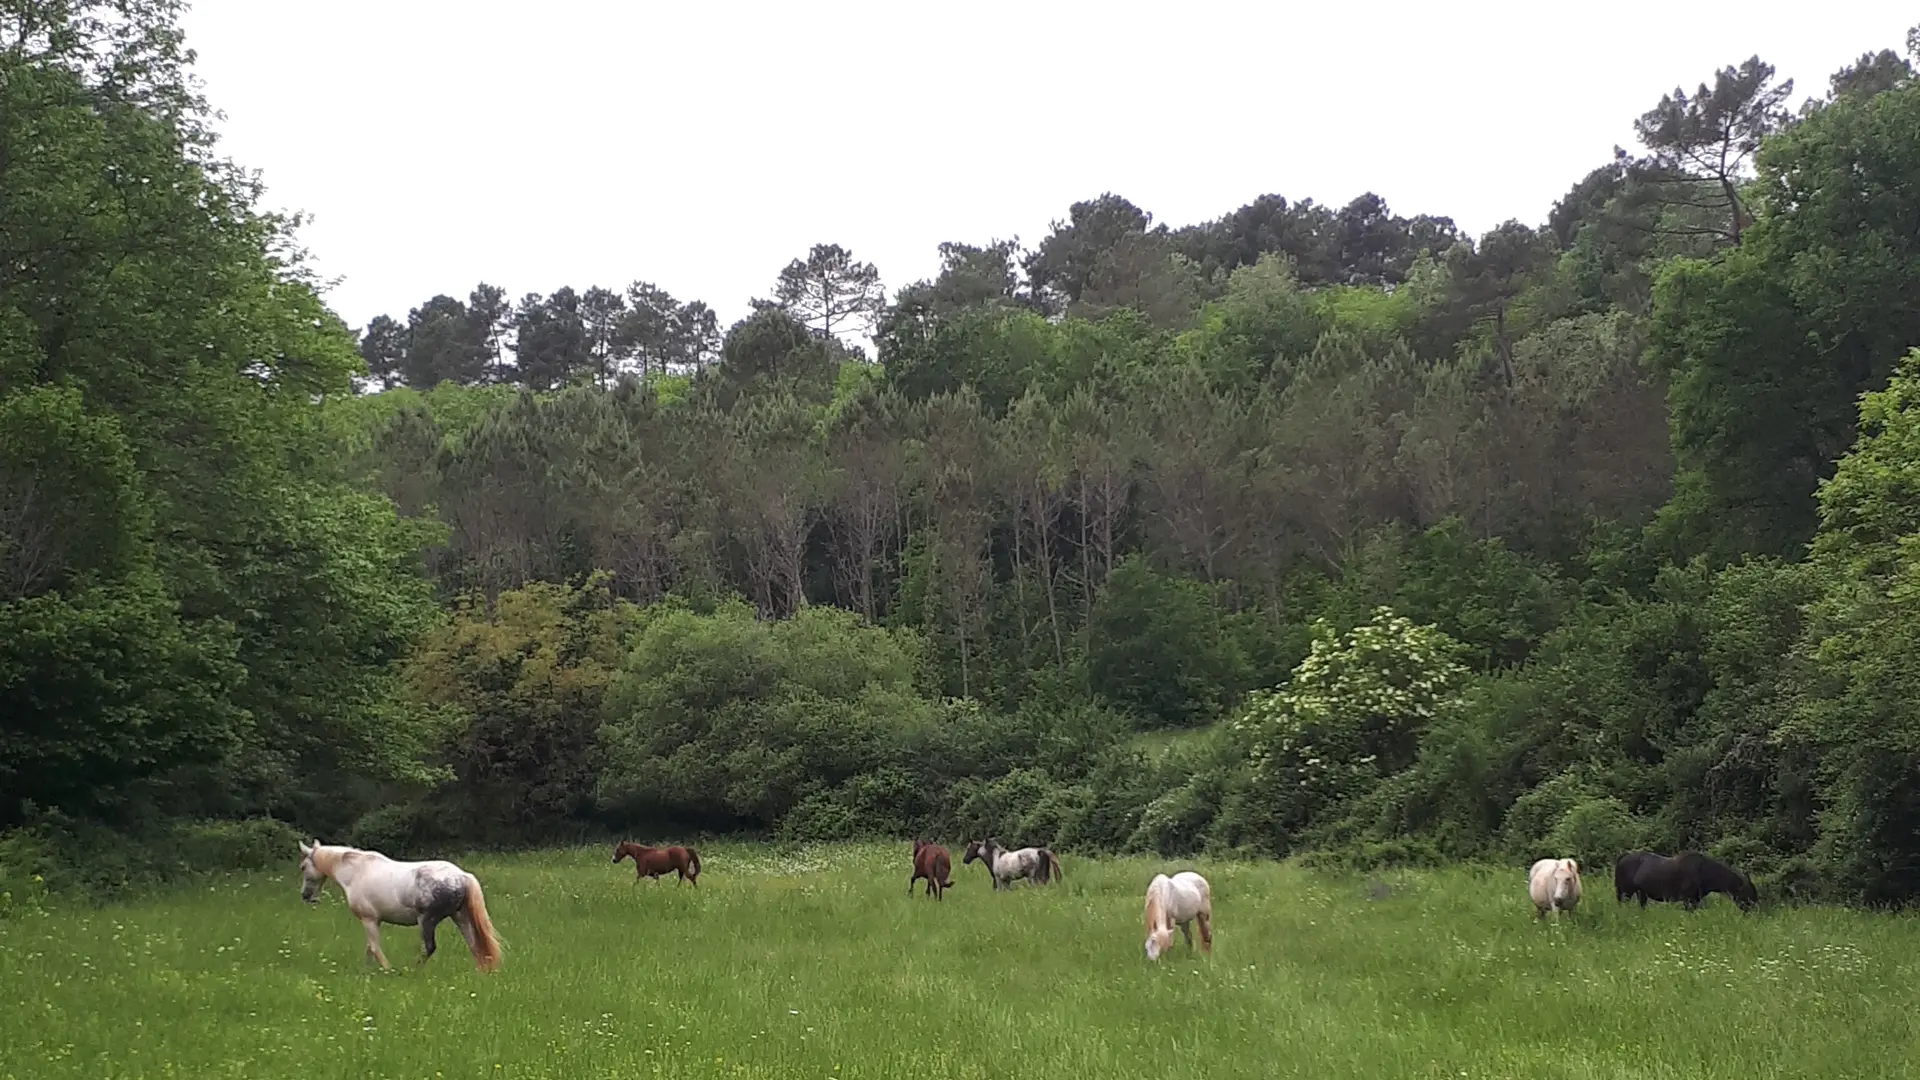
932, 862
1688, 877
654, 861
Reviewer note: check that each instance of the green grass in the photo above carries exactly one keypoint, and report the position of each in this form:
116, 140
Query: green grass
815, 963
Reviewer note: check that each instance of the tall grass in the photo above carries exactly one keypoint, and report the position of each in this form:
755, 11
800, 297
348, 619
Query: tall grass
815, 963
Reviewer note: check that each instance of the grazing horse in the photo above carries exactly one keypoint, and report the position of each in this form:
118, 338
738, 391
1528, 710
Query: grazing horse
380, 890
1037, 864
932, 862
1183, 899
1687, 877
1623, 871
653, 862
1554, 885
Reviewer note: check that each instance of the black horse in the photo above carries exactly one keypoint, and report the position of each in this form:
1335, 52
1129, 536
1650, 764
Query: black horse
1687, 877
1623, 872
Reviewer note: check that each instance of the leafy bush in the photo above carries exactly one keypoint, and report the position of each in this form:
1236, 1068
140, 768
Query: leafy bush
1596, 832
1159, 647
727, 718
521, 681
58, 854
1352, 715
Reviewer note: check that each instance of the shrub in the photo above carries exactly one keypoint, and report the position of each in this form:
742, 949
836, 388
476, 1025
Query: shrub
730, 719
1595, 831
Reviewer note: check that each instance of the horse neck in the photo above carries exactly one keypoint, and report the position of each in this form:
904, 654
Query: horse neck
344, 865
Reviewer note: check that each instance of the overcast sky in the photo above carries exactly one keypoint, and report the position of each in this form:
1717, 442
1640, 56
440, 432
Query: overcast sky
702, 145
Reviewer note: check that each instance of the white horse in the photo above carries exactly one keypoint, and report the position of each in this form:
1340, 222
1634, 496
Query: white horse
1037, 864
1183, 899
1554, 885
380, 890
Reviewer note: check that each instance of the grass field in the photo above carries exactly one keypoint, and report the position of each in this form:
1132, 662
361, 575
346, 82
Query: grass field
815, 963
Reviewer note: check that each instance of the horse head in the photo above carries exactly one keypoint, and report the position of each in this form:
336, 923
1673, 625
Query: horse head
1158, 941
973, 852
1744, 894
312, 880
1566, 881
620, 851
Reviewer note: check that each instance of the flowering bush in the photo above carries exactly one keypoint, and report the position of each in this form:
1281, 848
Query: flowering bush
1352, 713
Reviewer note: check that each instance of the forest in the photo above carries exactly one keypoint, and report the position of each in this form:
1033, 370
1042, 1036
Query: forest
1308, 530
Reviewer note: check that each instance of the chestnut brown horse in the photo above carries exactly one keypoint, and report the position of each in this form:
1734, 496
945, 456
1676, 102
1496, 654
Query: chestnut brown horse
932, 862
654, 861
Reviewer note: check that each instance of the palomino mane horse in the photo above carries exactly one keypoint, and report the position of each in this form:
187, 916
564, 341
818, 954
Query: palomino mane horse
380, 889
1554, 885
653, 862
1037, 864
1180, 900
932, 862
1688, 877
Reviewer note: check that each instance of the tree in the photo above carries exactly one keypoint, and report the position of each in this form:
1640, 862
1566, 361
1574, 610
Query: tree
772, 350
1485, 279
663, 334
831, 293
868, 459
550, 339
1765, 350
1708, 139
445, 344
601, 314
1158, 647
224, 637
773, 480
1873, 73
383, 345
1859, 674
490, 318
1304, 233
1063, 267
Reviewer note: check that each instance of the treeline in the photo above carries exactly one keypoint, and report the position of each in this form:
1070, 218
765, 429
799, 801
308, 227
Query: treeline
1301, 530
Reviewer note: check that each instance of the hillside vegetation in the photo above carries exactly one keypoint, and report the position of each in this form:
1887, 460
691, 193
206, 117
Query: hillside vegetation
1579, 535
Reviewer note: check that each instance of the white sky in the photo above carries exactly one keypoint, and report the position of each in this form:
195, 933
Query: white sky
701, 146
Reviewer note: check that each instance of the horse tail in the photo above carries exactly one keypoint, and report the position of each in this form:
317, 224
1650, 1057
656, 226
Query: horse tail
1053, 862
693, 861
486, 943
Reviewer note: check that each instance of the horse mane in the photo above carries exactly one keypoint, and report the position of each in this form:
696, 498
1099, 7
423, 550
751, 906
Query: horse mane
1156, 903
328, 857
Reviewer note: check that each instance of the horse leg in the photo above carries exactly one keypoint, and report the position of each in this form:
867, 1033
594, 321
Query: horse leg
373, 941
464, 920
1206, 931
1186, 931
427, 925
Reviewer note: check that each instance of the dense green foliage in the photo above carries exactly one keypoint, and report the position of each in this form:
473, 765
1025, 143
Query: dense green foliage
1298, 531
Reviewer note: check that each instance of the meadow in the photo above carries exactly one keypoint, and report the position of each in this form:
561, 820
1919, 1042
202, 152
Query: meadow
814, 962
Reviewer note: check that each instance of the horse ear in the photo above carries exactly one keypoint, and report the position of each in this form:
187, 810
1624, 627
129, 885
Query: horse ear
1574, 865
306, 848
